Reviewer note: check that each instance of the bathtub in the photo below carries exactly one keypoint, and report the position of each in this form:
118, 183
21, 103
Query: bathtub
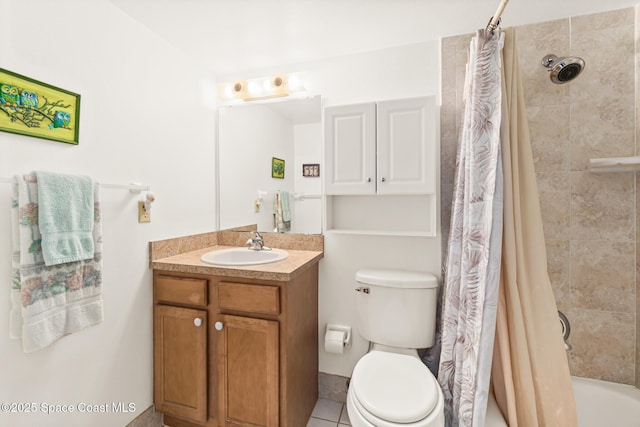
598, 403
601, 403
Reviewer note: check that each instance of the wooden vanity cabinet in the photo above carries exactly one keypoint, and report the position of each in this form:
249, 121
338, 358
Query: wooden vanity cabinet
252, 362
248, 369
180, 347
180, 362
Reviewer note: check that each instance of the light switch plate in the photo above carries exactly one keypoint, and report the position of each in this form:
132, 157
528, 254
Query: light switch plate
143, 214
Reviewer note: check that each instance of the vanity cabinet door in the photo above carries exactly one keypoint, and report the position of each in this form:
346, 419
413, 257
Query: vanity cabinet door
248, 371
180, 361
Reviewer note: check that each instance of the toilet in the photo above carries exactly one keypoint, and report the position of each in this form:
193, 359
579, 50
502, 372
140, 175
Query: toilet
390, 386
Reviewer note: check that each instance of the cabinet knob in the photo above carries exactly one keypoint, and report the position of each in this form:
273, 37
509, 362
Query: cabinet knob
197, 321
368, 179
383, 179
218, 326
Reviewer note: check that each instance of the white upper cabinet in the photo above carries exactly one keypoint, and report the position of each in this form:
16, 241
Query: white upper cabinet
387, 147
350, 149
406, 146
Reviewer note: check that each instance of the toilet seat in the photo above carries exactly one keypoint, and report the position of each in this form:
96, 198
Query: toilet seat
389, 389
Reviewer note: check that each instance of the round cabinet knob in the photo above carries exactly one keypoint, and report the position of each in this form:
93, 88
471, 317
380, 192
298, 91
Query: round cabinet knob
368, 179
383, 179
218, 326
197, 321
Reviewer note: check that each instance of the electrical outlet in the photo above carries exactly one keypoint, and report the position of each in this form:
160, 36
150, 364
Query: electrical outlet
143, 214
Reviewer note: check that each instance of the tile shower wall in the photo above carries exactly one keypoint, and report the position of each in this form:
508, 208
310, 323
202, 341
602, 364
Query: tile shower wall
590, 222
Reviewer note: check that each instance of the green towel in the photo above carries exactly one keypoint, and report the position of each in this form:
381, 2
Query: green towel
65, 217
284, 202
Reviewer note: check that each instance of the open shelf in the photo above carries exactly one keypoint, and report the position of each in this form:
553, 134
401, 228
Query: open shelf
615, 164
357, 232
381, 215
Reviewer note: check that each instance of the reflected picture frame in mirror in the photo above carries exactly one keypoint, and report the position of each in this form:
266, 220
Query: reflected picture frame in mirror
277, 168
311, 170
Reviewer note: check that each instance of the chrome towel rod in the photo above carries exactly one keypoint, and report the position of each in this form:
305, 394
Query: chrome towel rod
133, 187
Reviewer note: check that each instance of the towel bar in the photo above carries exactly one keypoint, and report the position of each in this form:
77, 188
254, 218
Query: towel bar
133, 187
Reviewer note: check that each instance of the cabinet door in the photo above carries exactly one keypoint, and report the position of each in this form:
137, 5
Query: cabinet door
180, 361
407, 151
350, 149
248, 371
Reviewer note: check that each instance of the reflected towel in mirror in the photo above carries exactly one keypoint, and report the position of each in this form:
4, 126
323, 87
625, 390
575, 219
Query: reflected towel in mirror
281, 212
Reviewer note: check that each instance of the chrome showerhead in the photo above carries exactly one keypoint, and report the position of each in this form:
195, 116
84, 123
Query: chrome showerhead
563, 70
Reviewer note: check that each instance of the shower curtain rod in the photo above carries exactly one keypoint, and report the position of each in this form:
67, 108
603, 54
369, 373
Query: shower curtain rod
495, 19
133, 187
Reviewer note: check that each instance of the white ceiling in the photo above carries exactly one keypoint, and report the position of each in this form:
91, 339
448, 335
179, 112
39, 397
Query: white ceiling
232, 36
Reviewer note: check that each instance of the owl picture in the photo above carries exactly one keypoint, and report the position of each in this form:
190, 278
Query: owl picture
60, 120
9, 94
29, 99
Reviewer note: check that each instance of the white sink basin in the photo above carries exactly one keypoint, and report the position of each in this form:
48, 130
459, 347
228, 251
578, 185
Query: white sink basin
243, 256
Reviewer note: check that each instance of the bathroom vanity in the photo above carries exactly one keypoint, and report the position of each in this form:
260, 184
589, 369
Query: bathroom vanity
235, 346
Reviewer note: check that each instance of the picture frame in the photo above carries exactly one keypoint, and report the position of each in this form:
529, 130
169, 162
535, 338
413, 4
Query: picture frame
277, 168
33, 108
311, 170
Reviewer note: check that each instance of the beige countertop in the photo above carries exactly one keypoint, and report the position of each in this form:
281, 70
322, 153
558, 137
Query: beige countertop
182, 254
285, 270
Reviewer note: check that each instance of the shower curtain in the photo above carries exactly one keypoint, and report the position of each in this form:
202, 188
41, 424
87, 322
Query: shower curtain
530, 373
473, 257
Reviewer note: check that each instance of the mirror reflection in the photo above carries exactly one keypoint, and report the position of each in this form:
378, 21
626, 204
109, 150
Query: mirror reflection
269, 163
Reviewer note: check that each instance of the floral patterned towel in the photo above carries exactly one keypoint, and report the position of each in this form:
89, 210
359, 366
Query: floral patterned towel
49, 302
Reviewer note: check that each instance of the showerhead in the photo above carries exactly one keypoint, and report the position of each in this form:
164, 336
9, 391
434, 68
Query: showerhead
563, 70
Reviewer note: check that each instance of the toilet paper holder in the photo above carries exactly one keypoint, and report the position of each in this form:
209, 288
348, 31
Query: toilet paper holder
340, 328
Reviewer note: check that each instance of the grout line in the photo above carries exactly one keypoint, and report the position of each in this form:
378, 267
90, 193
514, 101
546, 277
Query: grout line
337, 423
322, 419
340, 415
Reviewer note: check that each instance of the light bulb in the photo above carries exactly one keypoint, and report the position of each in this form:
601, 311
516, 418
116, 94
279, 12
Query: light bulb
228, 91
266, 84
255, 88
295, 83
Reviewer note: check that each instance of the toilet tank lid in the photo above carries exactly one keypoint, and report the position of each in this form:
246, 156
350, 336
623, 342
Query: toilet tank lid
397, 278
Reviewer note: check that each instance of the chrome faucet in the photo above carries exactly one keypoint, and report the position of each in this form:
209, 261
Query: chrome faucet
255, 242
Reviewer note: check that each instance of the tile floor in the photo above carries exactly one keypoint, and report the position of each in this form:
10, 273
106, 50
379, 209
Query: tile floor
328, 413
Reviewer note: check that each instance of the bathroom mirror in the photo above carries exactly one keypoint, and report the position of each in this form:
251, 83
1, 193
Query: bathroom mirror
265, 149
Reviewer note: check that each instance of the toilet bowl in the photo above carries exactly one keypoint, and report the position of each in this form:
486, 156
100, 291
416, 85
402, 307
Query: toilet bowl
390, 386
390, 390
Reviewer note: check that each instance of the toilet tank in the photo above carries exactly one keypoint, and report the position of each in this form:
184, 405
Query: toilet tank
397, 307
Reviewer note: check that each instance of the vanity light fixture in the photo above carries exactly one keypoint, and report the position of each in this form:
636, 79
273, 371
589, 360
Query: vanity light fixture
262, 88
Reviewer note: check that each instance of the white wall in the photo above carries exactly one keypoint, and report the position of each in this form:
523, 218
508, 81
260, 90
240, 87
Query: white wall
308, 149
401, 72
142, 119
395, 73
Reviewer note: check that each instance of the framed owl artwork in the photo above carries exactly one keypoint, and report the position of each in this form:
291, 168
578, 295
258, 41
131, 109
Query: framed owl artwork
33, 108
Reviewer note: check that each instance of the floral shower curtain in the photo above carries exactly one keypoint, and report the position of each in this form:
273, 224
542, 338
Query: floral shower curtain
473, 258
